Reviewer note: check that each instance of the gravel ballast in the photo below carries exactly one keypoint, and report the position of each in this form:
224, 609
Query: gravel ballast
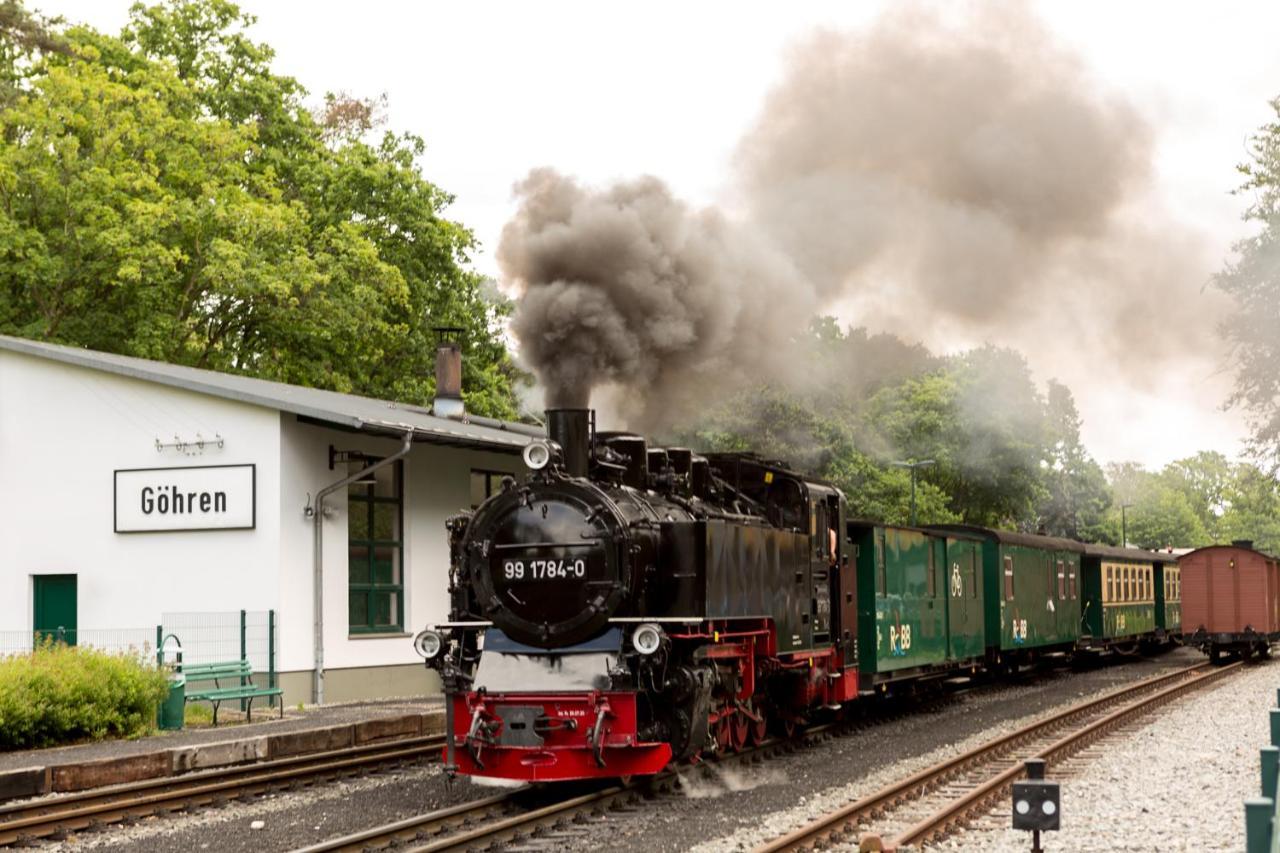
1176, 783
745, 805
736, 809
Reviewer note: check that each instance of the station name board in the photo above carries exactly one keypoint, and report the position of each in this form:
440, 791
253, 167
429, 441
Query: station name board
207, 497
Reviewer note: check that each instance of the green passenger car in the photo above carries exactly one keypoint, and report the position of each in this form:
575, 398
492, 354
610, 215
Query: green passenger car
1125, 596
1032, 591
1169, 596
910, 621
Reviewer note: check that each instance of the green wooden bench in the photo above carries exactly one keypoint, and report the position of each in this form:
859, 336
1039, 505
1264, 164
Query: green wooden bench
236, 673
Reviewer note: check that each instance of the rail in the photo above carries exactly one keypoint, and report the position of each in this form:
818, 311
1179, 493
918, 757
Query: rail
991, 768
23, 823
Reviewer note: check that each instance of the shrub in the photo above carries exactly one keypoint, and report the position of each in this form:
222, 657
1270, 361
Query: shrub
61, 693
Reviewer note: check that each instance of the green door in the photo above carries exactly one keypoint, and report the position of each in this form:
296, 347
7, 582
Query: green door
55, 600
964, 600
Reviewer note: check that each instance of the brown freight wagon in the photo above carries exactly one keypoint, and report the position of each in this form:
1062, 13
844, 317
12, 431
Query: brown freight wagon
1230, 600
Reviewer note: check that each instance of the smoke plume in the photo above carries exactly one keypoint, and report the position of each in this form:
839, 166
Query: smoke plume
950, 181
629, 286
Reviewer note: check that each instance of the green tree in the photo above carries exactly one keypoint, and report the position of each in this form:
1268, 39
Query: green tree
1164, 518
982, 421
881, 493
778, 424
1157, 512
1252, 499
24, 36
1077, 496
164, 194
1253, 281
1206, 479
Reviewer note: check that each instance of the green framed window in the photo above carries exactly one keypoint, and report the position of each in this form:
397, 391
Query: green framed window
485, 484
375, 552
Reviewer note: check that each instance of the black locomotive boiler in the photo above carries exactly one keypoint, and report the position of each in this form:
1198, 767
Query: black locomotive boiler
628, 606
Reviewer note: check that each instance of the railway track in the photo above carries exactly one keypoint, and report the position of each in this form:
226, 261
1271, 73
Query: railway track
937, 800
504, 821
517, 819
54, 817
508, 820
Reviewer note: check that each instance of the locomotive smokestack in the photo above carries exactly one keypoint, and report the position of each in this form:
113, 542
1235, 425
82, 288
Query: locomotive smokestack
448, 401
571, 429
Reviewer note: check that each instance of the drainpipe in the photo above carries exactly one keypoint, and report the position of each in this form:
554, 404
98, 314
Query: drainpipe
317, 515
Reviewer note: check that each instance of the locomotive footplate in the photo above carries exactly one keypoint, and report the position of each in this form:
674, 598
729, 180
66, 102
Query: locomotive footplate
552, 737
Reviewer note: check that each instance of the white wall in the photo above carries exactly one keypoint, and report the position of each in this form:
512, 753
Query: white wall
64, 430
437, 485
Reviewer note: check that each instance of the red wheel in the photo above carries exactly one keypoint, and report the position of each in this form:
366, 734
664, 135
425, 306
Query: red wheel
757, 732
739, 730
724, 733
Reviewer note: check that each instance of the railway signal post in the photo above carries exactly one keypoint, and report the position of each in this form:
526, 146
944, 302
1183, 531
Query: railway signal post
1036, 803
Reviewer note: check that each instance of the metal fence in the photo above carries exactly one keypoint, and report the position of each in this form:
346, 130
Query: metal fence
200, 637
141, 641
212, 637
1260, 818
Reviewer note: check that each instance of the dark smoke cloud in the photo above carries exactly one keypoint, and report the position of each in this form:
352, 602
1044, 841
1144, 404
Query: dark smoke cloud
951, 182
629, 286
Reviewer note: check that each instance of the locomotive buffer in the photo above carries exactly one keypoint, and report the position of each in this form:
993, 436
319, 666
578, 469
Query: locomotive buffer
1035, 803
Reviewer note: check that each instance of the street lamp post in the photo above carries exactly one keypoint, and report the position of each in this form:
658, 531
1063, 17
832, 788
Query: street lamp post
913, 465
1124, 530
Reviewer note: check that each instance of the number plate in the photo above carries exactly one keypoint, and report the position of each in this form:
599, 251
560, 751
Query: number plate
543, 569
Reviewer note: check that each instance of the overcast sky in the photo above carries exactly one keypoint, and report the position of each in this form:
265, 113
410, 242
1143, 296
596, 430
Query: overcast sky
606, 91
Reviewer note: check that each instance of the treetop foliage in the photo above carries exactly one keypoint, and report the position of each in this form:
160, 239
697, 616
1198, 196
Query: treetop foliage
1253, 281
165, 194
1005, 455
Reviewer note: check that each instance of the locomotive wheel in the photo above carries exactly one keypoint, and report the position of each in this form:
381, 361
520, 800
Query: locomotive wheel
739, 730
759, 731
724, 734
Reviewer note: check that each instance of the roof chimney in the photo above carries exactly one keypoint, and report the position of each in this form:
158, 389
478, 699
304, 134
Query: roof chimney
1243, 543
448, 401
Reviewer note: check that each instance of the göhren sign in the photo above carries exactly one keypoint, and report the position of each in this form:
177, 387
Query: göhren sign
210, 497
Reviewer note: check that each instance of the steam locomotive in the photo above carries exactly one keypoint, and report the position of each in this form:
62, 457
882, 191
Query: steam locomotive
630, 606
626, 607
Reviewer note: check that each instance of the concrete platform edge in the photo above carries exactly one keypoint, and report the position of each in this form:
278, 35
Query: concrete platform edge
78, 776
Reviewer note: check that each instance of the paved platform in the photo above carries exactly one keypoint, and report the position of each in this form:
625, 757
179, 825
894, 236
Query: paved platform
31, 772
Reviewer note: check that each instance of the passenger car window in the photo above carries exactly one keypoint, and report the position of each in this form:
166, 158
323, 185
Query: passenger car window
932, 580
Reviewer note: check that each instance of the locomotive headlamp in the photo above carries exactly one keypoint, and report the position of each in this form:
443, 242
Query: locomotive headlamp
647, 638
537, 454
428, 643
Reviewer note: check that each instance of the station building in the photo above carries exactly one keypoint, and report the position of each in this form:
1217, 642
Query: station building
131, 488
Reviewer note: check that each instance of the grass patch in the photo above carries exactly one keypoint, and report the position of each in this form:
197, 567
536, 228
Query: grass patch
197, 714
59, 693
